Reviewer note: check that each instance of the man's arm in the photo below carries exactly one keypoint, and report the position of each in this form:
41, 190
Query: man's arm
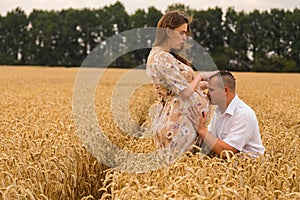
217, 145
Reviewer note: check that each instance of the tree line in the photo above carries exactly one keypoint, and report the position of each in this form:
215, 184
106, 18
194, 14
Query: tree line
237, 41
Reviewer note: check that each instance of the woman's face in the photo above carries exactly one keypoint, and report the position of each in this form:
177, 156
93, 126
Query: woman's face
177, 37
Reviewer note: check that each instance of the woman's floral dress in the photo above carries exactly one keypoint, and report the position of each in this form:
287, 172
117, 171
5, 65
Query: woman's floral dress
171, 125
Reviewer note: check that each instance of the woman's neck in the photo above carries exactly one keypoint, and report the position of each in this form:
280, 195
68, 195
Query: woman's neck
163, 47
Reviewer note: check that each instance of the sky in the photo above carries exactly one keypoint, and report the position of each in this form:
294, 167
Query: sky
132, 5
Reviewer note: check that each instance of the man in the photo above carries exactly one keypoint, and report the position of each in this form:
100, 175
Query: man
234, 126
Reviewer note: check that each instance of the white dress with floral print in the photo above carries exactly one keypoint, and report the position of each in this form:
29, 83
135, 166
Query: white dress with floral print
171, 125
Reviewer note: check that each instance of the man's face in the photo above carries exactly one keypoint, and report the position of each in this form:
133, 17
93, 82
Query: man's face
216, 91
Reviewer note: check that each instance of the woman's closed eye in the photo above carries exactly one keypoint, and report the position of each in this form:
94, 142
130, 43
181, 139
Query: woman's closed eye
183, 33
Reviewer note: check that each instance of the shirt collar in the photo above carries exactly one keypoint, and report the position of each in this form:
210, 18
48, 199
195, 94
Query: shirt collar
232, 105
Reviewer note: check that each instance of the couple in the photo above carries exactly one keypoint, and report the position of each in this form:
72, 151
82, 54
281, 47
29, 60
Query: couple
183, 106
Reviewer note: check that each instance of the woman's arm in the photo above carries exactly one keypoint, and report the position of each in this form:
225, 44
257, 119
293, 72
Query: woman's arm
199, 80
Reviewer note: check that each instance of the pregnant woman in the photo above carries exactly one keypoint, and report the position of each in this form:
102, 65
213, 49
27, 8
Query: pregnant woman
179, 88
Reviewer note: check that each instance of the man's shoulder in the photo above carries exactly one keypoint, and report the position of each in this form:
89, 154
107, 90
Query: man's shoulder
244, 109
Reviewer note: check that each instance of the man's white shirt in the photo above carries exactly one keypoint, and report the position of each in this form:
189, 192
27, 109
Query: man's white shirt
238, 127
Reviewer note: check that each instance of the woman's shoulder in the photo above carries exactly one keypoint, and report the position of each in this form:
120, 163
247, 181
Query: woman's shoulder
159, 53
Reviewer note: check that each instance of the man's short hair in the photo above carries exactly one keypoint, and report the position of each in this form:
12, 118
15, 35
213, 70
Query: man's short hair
227, 78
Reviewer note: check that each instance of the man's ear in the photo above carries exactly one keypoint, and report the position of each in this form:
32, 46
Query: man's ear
227, 90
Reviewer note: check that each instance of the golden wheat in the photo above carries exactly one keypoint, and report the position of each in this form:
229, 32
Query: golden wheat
42, 156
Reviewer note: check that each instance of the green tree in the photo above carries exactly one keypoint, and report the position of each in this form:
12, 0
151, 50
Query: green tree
74, 39
138, 19
257, 41
207, 30
278, 40
230, 38
114, 15
13, 37
153, 16
291, 24
241, 43
179, 6
47, 45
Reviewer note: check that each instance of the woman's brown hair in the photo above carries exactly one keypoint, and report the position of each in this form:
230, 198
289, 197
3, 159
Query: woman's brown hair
172, 20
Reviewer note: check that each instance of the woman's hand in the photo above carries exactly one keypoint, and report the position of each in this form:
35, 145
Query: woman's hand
206, 75
195, 83
198, 118
202, 124
203, 85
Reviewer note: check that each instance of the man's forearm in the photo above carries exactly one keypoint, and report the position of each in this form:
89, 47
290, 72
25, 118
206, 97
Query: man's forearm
214, 143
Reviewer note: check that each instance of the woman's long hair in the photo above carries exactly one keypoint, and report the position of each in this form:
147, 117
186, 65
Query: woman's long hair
172, 20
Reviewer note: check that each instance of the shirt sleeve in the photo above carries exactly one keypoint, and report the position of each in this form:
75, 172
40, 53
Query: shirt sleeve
170, 73
239, 132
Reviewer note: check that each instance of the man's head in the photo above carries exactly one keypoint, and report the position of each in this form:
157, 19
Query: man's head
221, 89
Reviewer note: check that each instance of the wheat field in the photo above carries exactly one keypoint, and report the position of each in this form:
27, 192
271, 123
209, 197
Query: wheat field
42, 156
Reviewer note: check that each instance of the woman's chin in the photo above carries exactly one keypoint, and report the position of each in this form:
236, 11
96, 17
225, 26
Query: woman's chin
178, 48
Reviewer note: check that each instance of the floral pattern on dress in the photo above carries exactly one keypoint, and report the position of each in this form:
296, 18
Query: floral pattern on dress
172, 127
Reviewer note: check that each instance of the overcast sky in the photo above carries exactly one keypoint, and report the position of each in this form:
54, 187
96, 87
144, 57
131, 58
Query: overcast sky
133, 5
